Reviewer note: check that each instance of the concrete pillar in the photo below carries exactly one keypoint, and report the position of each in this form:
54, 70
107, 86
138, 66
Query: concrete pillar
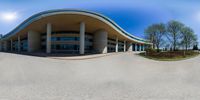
124, 46
19, 44
82, 38
143, 46
117, 45
11, 45
140, 45
100, 41
48, 38
130, 46
34, 41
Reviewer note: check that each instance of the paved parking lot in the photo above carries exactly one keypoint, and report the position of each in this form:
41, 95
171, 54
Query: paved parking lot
123, 76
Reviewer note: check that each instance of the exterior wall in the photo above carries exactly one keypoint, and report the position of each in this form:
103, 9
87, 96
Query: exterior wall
67, 42
48, 38
34, 40
15, 45
120, 46
100, 41
82, 38
5, 46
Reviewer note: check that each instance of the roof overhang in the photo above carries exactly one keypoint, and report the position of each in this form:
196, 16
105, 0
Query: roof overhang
97, 16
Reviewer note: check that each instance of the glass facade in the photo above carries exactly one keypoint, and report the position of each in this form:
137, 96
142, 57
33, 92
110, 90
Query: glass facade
65, 48
120, 46
67, 42
23, 45
89, 43
142, 47
133, 47
65, 39
111, 45
138, 47
15, 46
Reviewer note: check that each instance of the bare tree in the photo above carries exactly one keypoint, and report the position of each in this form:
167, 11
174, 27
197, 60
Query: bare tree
155, 34
150, 35
188, 37
174, 32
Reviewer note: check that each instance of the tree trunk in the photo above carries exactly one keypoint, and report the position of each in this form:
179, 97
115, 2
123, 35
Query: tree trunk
158, 48
153, 46
174, 48
174, 44
186, 47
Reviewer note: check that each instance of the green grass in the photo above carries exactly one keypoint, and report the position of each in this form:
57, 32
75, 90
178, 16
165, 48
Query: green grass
176, 56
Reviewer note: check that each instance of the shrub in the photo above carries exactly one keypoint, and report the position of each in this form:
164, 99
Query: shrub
195, 47
170, 54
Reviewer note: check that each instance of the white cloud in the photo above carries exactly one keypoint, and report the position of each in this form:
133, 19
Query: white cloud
197, 16
8, 16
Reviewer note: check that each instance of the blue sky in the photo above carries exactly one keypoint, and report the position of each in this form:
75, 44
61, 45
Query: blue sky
133, 16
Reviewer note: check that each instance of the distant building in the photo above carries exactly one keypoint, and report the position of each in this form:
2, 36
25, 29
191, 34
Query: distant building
70, 31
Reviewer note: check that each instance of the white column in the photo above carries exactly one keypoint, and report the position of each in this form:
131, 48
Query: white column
34, 41
124, 46
100, 41
11, 45
82, 38
19, 44
140, 47
117, 45
48, 38
130, 46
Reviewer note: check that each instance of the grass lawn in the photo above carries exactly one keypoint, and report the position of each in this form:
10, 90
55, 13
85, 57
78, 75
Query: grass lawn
170, 55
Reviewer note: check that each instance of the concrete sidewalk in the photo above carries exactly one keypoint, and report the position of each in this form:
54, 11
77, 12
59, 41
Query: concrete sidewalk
123, 76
